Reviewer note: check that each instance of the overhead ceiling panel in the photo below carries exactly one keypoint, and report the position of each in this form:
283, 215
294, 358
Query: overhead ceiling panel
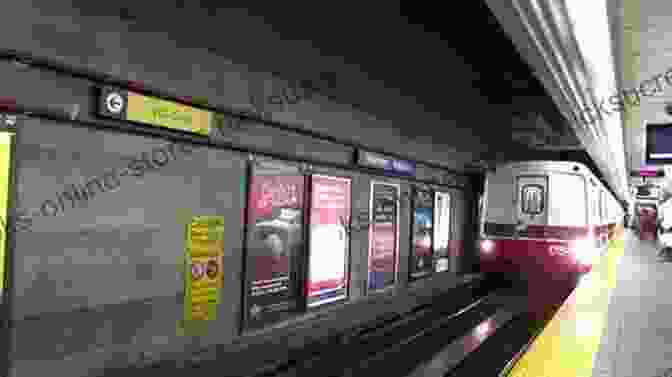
408, 50
642, 28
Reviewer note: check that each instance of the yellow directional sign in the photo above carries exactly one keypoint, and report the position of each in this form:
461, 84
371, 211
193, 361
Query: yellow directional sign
131, 106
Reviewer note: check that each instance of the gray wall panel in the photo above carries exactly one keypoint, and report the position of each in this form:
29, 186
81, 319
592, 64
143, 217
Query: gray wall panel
253, 134
99, 285
123, 247
57, 92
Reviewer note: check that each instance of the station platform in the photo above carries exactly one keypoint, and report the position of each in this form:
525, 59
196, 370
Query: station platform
616, 323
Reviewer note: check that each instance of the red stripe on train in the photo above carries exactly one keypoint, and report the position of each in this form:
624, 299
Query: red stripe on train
558, 232
530, 257
549, 275
548, 231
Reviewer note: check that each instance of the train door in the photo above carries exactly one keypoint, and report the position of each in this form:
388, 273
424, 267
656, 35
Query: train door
531, 198
648, 216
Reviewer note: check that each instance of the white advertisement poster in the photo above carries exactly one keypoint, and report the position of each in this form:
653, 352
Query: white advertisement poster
442, 230
329, 241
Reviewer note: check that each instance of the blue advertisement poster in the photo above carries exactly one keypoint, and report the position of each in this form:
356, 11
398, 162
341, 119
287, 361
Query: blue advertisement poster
422, 254
383, 235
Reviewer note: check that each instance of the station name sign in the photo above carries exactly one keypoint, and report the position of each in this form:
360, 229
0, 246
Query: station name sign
378, 161
134, 107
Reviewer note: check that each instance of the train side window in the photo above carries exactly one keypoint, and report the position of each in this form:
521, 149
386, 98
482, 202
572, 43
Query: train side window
532, 199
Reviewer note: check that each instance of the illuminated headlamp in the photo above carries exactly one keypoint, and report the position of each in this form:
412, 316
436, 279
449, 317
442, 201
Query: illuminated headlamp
487, 246
584, 251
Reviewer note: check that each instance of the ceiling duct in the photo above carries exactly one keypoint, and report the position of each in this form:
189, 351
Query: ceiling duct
533, 130
544, 34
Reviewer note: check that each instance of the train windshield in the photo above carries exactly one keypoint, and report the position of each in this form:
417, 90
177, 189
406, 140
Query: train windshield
567, 200
532, 198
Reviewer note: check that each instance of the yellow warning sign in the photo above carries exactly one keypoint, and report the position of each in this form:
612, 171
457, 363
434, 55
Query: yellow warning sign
204, 265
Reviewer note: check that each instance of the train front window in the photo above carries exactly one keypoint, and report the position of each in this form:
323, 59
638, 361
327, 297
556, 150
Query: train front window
568, 202
532, 199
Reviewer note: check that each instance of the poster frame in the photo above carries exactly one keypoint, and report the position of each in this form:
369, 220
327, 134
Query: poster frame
411, 255
243, 299
348, 257
297, 262
451, 214
397, 186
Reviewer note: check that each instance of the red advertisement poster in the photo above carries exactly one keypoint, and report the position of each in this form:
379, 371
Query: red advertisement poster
383, 235
274, 241
329, 240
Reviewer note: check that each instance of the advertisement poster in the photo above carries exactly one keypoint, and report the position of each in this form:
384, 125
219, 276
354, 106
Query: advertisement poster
329, 241
204, 264
274, 241
422, 254
442, 230
384, 235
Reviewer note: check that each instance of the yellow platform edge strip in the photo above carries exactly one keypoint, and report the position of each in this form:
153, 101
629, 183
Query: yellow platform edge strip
567, 345
5, 168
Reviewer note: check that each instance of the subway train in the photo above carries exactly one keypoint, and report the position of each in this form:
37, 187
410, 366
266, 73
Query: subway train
646, 219
645, 211
545, 223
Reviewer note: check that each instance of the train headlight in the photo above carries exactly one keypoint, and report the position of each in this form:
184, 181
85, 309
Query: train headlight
487, 246
584, 251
